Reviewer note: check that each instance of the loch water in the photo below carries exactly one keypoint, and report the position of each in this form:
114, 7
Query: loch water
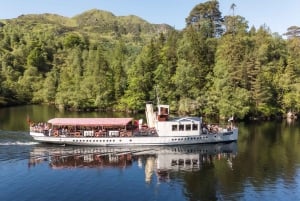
264, 164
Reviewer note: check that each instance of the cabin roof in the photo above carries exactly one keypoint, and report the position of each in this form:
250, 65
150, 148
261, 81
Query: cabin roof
90, 121
178, 119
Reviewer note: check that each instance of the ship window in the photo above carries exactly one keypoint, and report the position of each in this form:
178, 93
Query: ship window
174, 127
181, 127
195, 127
188, 127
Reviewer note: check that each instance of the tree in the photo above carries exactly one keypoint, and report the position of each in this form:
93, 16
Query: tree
29, 83
235, 24
232, 7
37, 58
293, 32
290, 87
141, 78
198, 53
206, 18
68, 92
228, 82
103, 79
49, 89
72, 40
167, 68
119, 69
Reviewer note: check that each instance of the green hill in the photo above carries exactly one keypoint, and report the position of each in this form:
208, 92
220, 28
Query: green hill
94, 23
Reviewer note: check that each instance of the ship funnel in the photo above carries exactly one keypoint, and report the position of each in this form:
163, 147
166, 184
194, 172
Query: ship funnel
150, 115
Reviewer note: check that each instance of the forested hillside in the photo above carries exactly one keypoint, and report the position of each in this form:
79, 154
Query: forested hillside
216, 66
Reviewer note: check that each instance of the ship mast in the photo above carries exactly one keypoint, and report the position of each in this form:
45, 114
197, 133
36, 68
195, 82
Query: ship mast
157, 96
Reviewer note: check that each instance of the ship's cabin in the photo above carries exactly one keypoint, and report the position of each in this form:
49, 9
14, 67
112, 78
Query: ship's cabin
163, 112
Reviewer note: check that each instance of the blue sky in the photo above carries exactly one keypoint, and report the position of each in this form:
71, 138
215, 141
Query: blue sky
278, 15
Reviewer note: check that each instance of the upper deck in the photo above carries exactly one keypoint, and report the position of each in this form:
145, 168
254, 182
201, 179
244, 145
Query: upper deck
90, 121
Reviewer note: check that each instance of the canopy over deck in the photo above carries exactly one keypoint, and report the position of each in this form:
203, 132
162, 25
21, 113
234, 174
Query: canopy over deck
90, 121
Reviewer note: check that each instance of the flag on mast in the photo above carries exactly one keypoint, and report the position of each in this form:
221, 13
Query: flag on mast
230, 119
28, 120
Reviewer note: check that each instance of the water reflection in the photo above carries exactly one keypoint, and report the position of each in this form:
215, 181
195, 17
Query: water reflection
158, 161
267, 165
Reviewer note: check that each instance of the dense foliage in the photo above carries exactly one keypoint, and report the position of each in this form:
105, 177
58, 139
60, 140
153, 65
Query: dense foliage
215, 66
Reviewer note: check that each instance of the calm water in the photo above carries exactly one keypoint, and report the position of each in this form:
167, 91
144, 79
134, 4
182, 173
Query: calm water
263, 165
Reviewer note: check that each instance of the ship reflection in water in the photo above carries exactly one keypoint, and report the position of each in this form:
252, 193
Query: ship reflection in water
159, 160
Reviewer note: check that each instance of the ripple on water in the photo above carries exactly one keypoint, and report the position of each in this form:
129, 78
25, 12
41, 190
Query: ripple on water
15, 145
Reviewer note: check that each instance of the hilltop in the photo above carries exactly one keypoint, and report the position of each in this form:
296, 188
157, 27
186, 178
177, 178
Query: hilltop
95, 23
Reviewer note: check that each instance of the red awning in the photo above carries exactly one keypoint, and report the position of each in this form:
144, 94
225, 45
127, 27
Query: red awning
90, 121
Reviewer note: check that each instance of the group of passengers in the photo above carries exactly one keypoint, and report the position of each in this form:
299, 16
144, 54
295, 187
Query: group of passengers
212, 128
39, 127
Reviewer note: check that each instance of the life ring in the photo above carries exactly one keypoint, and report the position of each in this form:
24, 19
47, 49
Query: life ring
56, 133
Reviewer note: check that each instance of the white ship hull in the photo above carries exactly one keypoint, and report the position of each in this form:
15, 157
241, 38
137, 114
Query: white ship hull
160, 130
138, 140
